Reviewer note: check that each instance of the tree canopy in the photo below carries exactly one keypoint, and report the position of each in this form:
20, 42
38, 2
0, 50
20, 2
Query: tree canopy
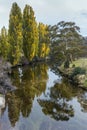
25, 38
65, 40
15, 34
30, 33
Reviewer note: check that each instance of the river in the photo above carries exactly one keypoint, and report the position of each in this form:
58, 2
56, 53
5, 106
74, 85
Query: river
43, 100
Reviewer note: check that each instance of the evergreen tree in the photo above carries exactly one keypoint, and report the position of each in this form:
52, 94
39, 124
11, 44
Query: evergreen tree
30, 33
65, 41
15, 34
4, 45
43, 40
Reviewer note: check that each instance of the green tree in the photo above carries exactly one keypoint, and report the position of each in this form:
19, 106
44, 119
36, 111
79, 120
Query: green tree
30, 33
15, 34
43, 40
65, 40
4, 45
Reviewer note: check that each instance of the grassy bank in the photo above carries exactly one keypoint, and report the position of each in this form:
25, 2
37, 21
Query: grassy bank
82, 62
77, 72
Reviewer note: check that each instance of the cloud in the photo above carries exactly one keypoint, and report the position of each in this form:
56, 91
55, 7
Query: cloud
50, 11
84, 14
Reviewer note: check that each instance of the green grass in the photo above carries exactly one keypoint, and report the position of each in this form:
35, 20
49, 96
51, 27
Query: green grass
79, 63
82, 62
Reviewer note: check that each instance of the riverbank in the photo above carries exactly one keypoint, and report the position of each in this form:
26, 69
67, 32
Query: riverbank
5, 71
76, 73
25, 62
5, 82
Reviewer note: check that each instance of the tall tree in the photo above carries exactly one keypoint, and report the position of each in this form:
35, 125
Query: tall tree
43, 40
4, 45
30, 33
65, 40
15, 34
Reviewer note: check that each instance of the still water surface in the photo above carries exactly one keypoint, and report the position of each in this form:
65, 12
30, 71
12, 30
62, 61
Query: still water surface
43, 101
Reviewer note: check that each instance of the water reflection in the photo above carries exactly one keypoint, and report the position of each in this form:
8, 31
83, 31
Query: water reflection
58, 106
43, 101
2, 104
33, 84
83, 101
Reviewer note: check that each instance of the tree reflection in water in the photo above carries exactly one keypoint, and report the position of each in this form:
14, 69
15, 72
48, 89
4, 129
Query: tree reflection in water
33, 83
58, 105
55, 101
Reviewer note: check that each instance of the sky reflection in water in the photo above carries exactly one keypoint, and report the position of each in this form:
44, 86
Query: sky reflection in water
43, 101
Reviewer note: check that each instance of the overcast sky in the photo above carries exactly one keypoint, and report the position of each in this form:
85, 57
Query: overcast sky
50, 11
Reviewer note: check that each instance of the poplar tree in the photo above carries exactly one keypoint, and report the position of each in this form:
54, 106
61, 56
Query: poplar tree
4, 45
43, 40
15, 34
30, 33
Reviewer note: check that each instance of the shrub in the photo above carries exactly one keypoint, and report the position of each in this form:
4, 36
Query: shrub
66, 64
78, 70
73, 66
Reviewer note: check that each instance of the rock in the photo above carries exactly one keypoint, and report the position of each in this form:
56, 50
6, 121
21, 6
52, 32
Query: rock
5, 82
7, 67
2, 101
79, 79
